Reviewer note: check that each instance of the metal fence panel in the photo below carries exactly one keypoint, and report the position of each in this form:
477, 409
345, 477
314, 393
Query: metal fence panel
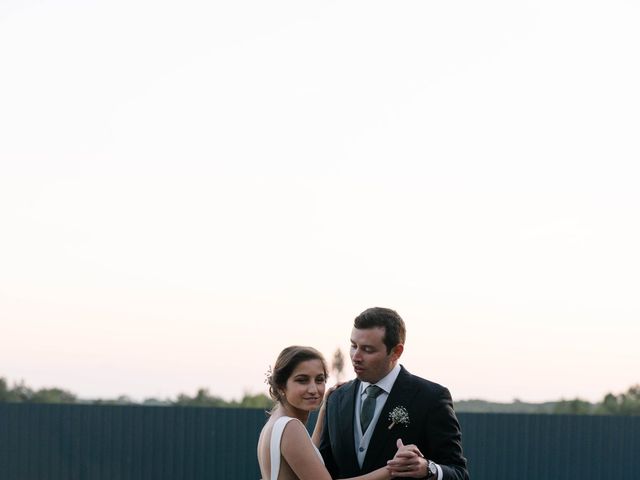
104, 442
96, 442
562, 447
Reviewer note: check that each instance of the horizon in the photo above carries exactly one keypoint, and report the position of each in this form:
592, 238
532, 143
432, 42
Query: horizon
123, 395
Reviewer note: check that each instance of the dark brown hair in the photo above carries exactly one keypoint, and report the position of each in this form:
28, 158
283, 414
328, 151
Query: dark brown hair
394, 329
286, 363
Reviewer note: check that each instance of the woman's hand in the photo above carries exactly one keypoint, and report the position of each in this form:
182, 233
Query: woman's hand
330, 390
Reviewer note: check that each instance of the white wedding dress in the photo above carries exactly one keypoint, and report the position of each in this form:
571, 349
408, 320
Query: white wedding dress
276, 437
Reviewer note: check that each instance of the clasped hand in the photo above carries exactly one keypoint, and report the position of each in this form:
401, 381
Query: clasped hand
408, 462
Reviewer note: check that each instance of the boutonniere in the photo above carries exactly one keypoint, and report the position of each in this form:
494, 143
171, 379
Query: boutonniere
398, 416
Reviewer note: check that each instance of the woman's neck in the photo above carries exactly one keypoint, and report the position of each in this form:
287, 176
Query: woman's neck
289, 411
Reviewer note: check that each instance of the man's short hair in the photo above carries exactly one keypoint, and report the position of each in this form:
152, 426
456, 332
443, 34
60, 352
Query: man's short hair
394, 329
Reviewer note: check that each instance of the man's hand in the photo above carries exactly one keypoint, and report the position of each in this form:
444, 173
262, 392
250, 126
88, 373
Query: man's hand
408, 462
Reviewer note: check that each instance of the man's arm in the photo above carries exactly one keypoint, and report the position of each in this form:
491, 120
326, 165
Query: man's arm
445, 438
442, 433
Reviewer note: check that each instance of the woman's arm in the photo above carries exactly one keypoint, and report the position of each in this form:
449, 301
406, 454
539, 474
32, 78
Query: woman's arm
303, 459
299, 453
317, 430
384, 473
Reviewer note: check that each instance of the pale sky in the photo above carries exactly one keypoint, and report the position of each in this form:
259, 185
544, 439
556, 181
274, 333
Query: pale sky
188, 187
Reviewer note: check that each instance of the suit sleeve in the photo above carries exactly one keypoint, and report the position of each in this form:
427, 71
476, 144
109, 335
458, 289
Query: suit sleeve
325, 441
445, 439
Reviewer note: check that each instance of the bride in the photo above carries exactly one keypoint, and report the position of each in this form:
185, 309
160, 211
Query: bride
285, 450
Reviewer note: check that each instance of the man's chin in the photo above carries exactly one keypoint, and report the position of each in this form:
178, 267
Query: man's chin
361, 375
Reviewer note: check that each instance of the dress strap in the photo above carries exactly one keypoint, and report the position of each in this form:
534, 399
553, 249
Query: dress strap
276, 437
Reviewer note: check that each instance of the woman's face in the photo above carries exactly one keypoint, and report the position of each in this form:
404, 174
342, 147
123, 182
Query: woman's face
305, 386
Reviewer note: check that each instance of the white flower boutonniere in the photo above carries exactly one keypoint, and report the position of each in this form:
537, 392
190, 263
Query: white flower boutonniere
398, 416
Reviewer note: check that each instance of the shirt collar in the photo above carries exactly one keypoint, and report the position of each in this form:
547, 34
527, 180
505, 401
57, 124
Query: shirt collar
386, 383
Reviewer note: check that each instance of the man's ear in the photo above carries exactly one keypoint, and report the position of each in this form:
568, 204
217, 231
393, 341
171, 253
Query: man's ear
396, 351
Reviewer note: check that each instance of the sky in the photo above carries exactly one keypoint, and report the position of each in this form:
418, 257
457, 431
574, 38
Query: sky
188, 187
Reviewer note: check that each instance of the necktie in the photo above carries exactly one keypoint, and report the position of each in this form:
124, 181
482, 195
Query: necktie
369, 406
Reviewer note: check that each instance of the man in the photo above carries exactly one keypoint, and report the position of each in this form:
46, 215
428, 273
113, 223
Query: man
368, 417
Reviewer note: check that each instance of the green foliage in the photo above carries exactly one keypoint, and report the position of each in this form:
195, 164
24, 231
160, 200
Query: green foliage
20, 393
121, 400
8, 394
256, 401
156, 402
627, 403
202, 399
53, 395
517, 406
574, 407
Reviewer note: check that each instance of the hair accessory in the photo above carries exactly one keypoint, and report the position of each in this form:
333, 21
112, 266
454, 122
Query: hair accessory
267, 376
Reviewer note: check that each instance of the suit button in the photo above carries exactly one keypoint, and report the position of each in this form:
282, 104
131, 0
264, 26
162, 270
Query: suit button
361, 449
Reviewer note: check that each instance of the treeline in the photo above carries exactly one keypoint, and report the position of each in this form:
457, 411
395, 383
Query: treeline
627, 403
21, 393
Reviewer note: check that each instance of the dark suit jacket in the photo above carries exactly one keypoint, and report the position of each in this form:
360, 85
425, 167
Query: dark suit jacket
433, 428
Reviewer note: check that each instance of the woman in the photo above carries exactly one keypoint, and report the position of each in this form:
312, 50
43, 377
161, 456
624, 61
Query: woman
285, 450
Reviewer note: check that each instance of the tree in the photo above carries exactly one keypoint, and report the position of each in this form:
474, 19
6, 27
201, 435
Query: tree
627, 403
576, 406
337, 365
121, 400
7, 394
202, 399
17, 394
259, 400
53, 395
21, 393
630, 401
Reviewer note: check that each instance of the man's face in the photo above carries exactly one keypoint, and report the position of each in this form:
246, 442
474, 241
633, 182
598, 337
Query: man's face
369, 356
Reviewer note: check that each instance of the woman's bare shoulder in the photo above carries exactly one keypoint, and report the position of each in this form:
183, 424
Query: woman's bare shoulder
299, 453
296, 442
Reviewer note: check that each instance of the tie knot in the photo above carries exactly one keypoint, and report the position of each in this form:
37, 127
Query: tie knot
373, 391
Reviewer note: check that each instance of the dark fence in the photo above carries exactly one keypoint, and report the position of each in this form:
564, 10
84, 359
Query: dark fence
554, 447
87, 442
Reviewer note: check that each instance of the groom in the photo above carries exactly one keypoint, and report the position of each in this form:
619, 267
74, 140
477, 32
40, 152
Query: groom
366, 417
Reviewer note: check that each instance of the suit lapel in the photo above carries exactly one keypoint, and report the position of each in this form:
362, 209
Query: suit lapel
383, 438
